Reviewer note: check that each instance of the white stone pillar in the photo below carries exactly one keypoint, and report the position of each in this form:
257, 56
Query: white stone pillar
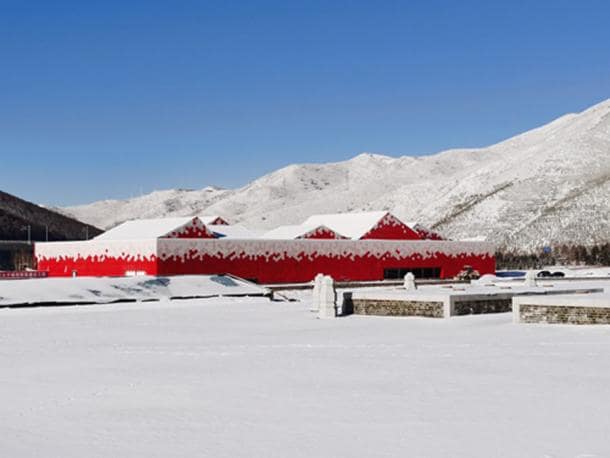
530, 278
410, 282
317, 286
328, 298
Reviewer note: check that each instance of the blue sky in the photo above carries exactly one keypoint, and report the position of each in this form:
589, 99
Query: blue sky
111, 99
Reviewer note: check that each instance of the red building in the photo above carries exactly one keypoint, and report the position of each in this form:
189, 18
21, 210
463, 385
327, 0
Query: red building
367, 246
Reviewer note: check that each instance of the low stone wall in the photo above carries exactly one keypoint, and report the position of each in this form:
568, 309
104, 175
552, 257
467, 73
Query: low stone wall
476, 307
22, 274
382, 307
448, 302
563, 314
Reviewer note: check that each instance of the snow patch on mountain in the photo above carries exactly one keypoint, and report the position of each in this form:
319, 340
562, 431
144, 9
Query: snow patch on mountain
157, 204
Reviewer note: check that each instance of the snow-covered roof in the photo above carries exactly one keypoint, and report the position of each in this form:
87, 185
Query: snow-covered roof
287, 232
233, 232
290, 232
351, 225
212, 220
145, 228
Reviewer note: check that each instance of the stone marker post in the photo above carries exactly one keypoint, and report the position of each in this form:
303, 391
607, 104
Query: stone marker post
410, 281
530, 278
328, 298
317, 288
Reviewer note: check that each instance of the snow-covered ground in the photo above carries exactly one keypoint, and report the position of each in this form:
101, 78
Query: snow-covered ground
253, 378
106, 290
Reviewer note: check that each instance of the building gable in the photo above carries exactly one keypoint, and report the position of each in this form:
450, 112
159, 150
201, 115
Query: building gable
321, 232
390, 228
194, 229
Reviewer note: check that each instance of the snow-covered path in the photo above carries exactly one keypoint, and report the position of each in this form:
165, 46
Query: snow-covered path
252, 378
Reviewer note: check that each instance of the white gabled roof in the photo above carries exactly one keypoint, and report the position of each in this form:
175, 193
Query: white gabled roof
288, 232
224, 231
291, 232
351, 225
145, 228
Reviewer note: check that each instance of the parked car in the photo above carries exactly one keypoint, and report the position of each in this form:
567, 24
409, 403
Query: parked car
468, 273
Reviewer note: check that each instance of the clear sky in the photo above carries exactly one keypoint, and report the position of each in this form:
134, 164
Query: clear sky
110, 99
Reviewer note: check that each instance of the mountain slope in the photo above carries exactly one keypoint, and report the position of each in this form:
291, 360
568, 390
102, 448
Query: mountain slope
173, 202
16, 214
548, 185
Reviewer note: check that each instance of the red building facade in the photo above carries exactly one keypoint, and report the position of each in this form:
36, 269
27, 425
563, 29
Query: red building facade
190, 250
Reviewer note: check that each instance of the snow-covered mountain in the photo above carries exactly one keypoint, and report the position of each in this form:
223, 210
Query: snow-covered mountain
548, 185
172, 202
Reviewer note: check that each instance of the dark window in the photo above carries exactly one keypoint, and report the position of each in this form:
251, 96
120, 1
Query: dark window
398, 273
6, 260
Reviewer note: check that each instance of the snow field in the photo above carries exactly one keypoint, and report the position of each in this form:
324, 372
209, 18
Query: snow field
253, 378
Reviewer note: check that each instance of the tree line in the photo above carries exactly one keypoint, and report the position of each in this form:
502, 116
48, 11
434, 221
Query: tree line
564, 254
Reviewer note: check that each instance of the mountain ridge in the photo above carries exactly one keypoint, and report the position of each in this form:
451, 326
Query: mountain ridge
544, 186
16, 215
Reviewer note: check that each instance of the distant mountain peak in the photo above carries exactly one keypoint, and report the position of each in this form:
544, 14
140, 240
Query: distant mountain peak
547, 185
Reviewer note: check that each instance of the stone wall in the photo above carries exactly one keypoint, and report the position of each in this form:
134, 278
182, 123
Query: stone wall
397, 308
563, 314
475, 307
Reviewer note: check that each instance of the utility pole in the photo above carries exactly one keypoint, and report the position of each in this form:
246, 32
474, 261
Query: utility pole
86, 229
46, 232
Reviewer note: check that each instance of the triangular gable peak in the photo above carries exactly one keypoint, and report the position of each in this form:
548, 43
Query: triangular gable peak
193, 229
350, 225
379, 225
391, 228
321, 232
213, 220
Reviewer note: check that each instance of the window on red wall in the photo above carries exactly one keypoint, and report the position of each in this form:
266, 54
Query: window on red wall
398, 273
